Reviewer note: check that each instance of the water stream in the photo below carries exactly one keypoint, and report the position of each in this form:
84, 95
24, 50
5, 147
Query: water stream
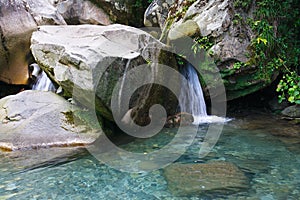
191, 99
42, 82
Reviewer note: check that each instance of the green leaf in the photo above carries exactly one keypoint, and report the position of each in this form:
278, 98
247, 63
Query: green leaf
291, 99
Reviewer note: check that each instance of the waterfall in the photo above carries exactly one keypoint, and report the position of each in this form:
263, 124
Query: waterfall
42, 82
191, 98
123, 80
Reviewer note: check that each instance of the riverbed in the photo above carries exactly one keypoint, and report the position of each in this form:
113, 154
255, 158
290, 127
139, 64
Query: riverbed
264, 148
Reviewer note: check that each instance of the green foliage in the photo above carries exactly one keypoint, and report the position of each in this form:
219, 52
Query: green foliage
141, 3
244, 4
237, 19
276, 46
238, 65
289, 86
264, 55
202, 43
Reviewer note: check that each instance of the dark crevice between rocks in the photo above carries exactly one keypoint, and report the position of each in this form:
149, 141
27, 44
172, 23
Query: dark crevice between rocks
3, 42
258, 101
10, 89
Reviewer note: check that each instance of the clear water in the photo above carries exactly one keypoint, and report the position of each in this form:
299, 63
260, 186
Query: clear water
271, 163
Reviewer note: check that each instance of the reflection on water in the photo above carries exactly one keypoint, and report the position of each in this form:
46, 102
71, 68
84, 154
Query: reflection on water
270, 164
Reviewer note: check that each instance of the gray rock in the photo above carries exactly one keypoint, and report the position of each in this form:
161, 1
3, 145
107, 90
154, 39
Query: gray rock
35, 119
129, 12
187, 29
87, 61
194, 179
81, 12
275, 105
215, 19
292, 111
18, 19
157, 13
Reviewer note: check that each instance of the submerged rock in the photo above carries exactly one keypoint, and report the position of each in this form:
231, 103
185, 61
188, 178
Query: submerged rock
182, 118
213, 177
35, 119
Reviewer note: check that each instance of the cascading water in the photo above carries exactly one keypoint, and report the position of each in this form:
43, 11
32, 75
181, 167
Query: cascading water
42, 82
191, 98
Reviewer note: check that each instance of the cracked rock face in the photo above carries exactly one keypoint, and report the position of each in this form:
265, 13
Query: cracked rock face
36, 119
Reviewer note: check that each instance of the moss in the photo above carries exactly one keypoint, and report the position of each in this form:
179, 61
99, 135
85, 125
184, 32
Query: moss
83, 117
89, 118
69, 116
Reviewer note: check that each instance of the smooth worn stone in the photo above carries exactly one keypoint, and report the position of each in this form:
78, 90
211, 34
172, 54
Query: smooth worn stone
292, 111
187, 29
36, 119
193, 179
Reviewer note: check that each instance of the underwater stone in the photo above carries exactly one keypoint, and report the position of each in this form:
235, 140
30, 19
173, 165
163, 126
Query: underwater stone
193, 179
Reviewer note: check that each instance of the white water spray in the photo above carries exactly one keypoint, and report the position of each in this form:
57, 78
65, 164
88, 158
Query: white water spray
42, 83
191, 98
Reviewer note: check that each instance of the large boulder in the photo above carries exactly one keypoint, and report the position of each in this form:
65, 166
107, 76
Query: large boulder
223, 31
87, 61
35, 119
214, 177
18, 19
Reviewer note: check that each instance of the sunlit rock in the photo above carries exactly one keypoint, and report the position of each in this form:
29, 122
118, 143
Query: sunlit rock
87, 61
35, 119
